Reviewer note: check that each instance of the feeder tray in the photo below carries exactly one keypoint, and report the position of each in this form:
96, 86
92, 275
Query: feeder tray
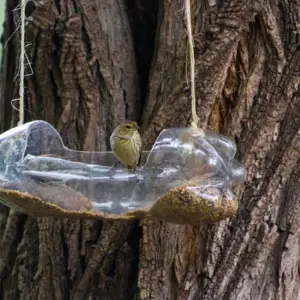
186, 178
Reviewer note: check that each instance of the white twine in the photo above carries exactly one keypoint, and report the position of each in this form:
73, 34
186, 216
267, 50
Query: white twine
192, 63
22, 63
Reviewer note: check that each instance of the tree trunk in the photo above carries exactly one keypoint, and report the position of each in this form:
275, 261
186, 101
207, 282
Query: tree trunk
96, 63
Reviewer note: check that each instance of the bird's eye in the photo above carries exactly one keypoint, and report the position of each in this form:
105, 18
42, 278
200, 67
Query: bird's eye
128, 126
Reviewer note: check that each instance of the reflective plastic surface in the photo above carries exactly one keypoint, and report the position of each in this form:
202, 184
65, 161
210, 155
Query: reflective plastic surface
201, 160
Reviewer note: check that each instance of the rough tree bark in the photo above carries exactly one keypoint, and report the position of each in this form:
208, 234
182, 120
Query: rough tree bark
91, 62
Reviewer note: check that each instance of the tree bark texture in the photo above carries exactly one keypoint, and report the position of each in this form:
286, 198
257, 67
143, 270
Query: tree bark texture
97, 63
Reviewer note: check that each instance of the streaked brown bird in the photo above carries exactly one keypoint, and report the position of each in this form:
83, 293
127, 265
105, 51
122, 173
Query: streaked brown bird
126, 144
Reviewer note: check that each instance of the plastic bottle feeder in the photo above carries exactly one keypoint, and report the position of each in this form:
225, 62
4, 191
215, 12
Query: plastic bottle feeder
186, 178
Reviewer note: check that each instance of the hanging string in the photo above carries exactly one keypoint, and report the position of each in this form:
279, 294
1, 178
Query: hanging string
22, 60
195, 118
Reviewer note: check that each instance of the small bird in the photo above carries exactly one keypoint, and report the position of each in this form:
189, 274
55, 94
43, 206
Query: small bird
126, 144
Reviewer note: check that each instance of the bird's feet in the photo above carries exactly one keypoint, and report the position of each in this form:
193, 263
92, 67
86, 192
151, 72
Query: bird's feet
136, 175
112, 171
